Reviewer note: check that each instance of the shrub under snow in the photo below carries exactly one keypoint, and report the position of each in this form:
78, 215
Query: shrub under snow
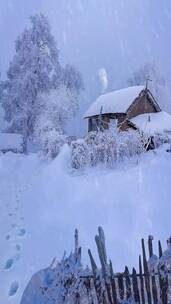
107, 147
61, 283
51, 144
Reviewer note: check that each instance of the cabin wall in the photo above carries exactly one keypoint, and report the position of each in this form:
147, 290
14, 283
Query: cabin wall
90, 127
124, 126
106, 121
122, 123
141, 105
94, 122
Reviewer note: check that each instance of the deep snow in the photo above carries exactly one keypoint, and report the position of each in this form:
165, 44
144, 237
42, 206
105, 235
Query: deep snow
42, 202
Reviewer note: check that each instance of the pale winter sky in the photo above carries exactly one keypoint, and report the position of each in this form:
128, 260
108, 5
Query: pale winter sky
95, 35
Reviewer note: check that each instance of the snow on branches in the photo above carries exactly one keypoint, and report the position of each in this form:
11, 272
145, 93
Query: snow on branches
107, 148
53, 111
29, 74
37, 83
63, 282
149, 73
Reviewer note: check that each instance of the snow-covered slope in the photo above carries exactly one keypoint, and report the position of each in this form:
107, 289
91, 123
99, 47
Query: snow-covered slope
41, 204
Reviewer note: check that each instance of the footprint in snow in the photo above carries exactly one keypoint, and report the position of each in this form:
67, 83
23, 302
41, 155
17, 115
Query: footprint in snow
8, 237
9, 263
14, 225
22, 232
13, 289
18, 247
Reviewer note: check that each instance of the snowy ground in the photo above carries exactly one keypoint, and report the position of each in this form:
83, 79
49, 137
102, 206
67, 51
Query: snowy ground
41, 203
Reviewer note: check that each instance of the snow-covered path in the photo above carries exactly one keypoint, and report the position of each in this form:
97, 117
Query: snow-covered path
41, 203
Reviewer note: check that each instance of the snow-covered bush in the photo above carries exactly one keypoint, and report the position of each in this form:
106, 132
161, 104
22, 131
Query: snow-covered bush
164, 263
63, 282
107, 147
66, 286
160, 139
51, 144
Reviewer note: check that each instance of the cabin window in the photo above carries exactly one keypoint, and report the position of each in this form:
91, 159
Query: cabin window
89, 124
93, 124
96, 123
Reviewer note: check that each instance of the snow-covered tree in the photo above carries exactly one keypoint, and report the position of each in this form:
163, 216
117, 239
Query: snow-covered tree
54, 110
2, 88
40, 94
72, 79
147, 71
29, 74
150, 72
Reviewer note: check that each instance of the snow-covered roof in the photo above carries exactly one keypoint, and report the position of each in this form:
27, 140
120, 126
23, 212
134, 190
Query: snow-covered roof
114, 102
11, 142
153, 122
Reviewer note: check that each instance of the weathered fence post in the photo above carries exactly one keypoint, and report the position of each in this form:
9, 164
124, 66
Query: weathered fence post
121, 286
113, 285
146, 273
160, 249
153, 280
100, 242
135, 286
141, 281
97, 281
128, 283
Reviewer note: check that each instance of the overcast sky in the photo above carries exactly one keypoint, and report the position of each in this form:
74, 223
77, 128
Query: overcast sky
116, 36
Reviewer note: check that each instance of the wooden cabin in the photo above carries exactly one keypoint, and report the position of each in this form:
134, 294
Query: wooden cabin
119, 107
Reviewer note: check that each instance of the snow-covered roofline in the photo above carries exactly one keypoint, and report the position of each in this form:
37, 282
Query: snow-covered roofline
11, 142
152, 123
114, 102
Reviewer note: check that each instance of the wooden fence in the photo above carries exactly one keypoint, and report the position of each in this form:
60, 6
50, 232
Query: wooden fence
151, 284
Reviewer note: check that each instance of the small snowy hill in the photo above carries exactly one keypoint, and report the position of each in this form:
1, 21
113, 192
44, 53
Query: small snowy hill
41, 203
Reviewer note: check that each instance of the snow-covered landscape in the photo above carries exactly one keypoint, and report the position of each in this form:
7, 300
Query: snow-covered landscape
44, 202
85, 142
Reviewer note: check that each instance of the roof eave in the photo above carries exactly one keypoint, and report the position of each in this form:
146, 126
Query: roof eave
108, 113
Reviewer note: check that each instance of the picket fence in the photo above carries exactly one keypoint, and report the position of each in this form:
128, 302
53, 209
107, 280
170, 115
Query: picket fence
151, 284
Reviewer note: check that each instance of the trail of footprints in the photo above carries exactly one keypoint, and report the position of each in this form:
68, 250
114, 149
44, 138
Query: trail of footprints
17, 231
